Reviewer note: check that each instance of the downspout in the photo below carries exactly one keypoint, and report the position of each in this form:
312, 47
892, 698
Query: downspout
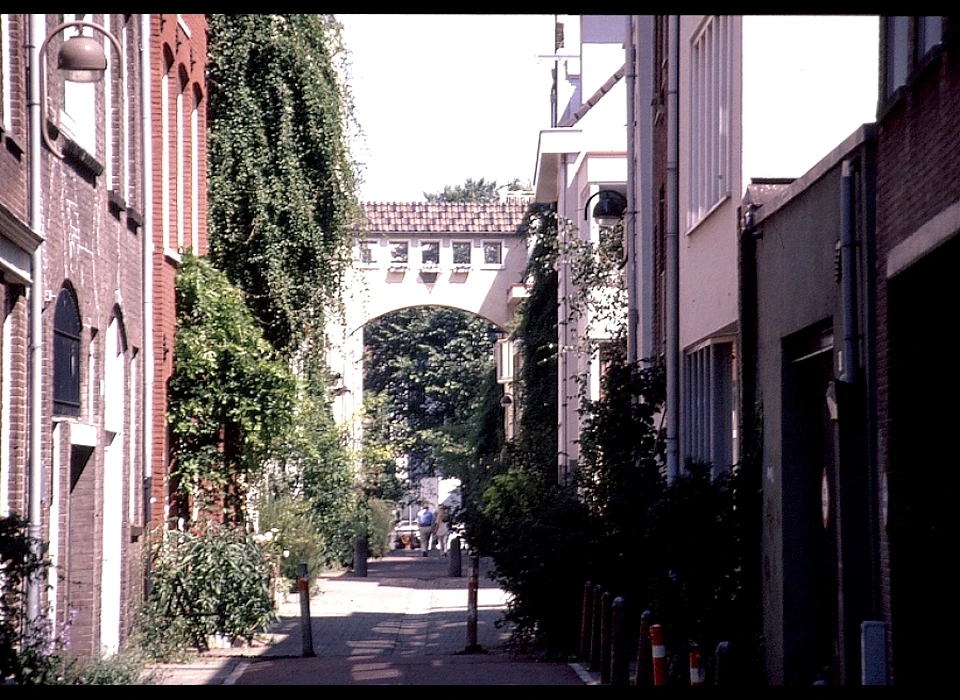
673, 251
563, 326
35, 478
631, 213
850, 370
146, 189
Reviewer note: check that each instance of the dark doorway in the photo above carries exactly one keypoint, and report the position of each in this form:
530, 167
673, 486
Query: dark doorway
922, 466
809, 474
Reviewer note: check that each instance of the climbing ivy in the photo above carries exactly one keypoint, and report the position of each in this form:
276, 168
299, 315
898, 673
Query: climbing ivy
230, 397
282, 181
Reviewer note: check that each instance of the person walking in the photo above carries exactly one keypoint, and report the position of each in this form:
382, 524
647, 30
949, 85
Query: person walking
441, 531
425, 520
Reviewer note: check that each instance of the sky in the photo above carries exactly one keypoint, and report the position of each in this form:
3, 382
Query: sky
443, 98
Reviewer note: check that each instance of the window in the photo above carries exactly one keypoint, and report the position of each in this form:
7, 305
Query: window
908, 41
195, 169
66, 355
399, 252
6, 79
710, 117
461, 252
708, 421
430, 253
368, 252
165, 146
181, 165
492, 253
78, 113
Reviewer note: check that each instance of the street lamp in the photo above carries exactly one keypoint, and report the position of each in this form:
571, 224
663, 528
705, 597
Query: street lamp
80, 60
609, 208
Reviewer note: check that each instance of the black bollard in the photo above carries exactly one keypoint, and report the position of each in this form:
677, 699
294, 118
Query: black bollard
586, 616
306, 631
644, 659
455, 563
473, 584
595, 631
360, 556
605, 636
619, 663
723, 671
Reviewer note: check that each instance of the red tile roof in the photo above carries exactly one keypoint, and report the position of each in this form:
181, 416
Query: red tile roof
443, 217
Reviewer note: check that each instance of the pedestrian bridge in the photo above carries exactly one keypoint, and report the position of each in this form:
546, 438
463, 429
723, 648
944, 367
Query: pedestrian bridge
467, 256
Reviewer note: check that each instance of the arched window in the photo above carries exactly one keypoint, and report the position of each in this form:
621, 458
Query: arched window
66, 355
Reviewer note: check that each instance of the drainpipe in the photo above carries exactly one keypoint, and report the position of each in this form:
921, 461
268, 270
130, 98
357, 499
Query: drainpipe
850, 359
35, 468
631, 213
673, 251
146, 190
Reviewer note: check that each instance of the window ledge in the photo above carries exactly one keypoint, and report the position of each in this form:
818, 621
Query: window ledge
699, 222
398, 267
88, 166
173, 255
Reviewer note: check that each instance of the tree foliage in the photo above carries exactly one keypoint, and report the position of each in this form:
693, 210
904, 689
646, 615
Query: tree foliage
230, 398
428, 363
282, 182
470, 191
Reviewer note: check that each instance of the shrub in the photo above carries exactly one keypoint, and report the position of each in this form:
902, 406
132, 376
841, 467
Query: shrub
217, 580
379, 526
291, 535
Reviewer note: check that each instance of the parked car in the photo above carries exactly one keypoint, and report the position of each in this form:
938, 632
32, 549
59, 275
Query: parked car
406, 535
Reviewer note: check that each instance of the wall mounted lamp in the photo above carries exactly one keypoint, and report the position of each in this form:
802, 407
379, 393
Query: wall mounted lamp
507, 400
79, 60
609, 208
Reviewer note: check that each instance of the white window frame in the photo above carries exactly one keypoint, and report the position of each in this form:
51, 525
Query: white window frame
182, 85
483, 248
708, 414
6, 79
78, 113
710, 78
195, 100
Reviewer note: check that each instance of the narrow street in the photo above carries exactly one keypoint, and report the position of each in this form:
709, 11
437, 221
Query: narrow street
405, 623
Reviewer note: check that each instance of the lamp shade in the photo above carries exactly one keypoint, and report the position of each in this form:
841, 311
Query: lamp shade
81, 60
609, 208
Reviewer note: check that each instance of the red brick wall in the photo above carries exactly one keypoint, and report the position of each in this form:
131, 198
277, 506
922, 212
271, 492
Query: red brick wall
168, 37
918, 175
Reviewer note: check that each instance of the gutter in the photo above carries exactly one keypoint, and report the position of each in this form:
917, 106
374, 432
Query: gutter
596, 97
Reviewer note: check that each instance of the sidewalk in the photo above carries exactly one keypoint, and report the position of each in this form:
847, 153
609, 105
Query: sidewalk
405, 623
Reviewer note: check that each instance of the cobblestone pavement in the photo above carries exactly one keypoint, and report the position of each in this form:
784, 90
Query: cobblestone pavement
405, 623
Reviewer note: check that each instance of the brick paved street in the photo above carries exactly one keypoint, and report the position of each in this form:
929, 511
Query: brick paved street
403, 624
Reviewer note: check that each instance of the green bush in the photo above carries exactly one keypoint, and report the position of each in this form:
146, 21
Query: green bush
291, 535
217, 580
379, 526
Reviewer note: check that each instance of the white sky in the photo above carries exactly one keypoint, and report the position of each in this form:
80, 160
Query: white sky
443, 98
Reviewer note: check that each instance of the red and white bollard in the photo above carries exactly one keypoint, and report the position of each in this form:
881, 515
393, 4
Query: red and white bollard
659, 654
698, 675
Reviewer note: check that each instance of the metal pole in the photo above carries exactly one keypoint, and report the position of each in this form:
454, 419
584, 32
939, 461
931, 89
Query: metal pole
644, 661
619, 663
659, 654
586, 615
360, 556
306, 631
473, 584
605, 639
673, 252
595, 633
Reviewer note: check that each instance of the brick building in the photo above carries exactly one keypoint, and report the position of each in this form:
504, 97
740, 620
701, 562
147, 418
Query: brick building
178, 46
83, 450
918, 255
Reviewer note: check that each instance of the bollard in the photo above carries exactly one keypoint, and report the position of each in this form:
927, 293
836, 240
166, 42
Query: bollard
306, 631
723, 673
619, 663
698, 675
455, 562
595, 628
658, 653
360, 556
473, 584
585, 620
605, 639
644, 662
